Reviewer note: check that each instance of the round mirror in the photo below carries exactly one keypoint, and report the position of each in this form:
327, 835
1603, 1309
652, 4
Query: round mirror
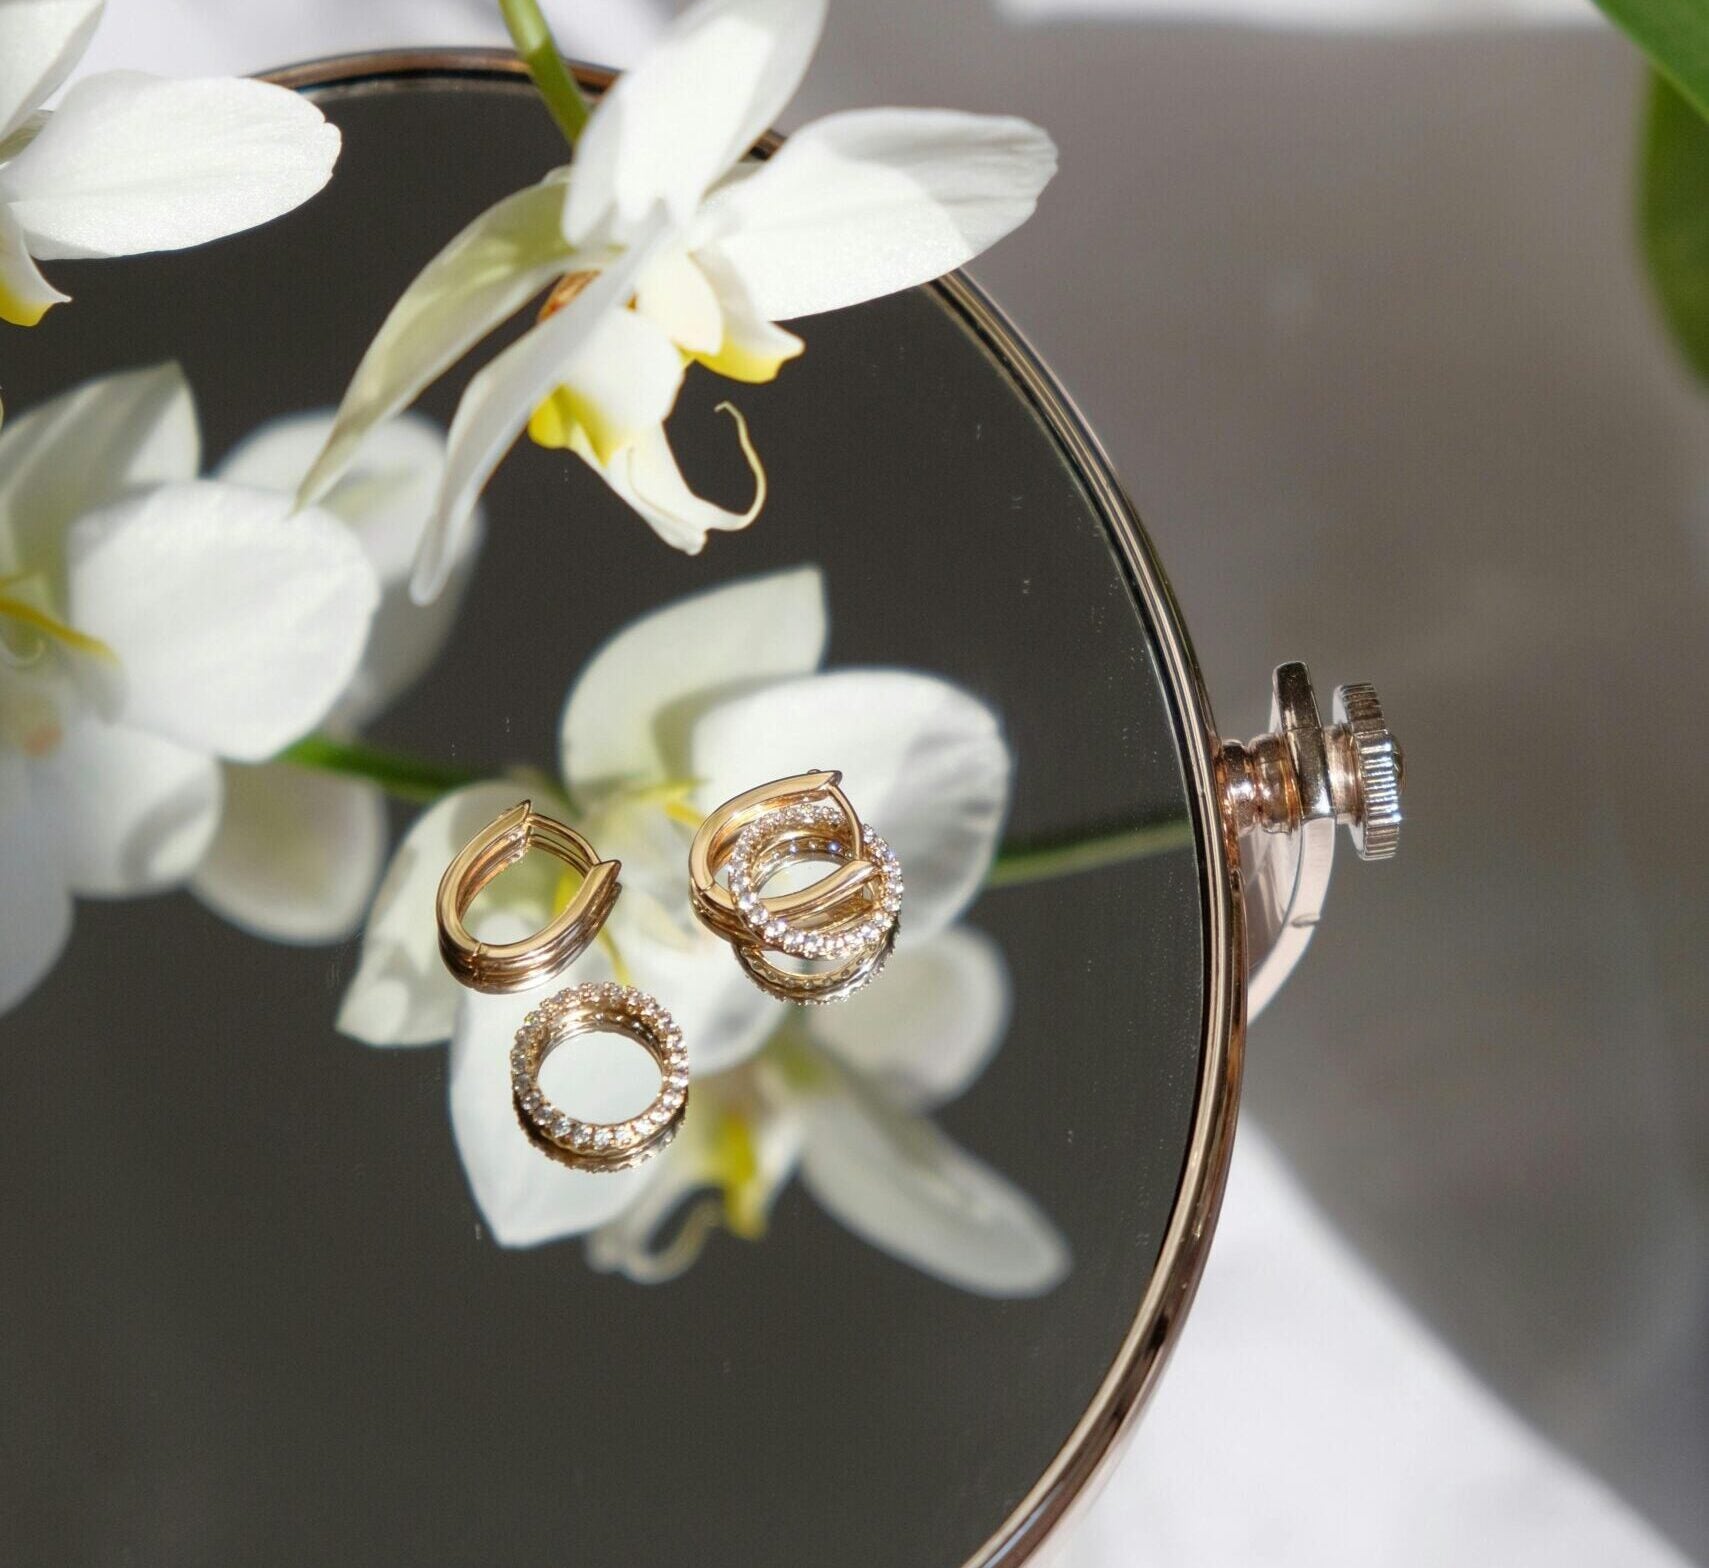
285, 1281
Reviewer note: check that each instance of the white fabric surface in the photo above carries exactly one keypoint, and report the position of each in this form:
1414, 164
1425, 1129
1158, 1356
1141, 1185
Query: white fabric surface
1308, 1417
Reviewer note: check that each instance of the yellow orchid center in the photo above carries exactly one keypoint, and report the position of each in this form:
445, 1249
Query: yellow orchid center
33, 626
565, 420
572, 423
674, 797
29, 722
740, 363
791, 1055
29, 715
569, 882
569, 422
20, 312
735, 1167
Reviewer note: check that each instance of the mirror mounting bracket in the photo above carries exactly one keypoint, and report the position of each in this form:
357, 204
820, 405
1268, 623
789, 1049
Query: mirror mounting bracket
1283, 795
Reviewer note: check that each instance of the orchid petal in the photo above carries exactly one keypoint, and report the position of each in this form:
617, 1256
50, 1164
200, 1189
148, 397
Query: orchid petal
622, 380
384, 497
862, 204
525, 1197
724, 1017
25, 295
35, 907
648, 829
401, 993
484, 276
900, 1183
675, 293
629, 1242
498, 401
772, 1127
646, 476
924, 761
297, 853
49, 671
697, 101
35, 698
85, 448
40, 41
133, 813
628, 715
130, 163
928, 1031
235, 624
769, 1142
15, 141
752, 349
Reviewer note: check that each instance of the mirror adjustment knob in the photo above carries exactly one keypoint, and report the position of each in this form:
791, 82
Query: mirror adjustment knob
1283, 793
1368, 770
1351, 770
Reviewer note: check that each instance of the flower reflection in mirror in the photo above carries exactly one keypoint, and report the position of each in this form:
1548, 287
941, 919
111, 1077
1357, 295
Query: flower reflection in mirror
153, 628
299, 850
650, 741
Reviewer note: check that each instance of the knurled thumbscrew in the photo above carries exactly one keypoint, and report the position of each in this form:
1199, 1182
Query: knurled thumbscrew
1351, 769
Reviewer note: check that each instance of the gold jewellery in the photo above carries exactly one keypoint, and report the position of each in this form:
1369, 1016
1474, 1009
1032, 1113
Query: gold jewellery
516, 966
599, 1008
819, 943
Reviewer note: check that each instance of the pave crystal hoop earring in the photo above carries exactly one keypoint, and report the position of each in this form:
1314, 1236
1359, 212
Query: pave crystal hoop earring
822, 942
515, 966
599, 1008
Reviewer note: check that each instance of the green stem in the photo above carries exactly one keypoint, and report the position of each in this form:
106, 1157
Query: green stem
538, 50
408, 778
422, 783
1018, 864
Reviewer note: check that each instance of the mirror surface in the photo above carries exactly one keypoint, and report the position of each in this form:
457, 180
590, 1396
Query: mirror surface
274, 1294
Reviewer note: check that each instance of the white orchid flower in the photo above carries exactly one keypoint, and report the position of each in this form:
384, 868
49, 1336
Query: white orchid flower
151, 624
843, 1097
297, 853
672, 250
129, 162
649, 743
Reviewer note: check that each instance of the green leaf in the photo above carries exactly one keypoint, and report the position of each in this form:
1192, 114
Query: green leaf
1675, 36
1674, 217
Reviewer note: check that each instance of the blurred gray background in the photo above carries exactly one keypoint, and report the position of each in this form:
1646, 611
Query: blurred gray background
1359, 317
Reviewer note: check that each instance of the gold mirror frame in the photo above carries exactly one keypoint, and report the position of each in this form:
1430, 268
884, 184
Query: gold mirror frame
1070, 1479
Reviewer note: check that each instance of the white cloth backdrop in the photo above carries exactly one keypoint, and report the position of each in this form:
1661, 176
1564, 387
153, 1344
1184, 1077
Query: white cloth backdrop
1309, 1418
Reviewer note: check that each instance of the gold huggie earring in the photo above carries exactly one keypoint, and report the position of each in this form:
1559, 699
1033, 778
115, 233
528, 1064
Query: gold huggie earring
515, 966
597, 1007
847, 918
